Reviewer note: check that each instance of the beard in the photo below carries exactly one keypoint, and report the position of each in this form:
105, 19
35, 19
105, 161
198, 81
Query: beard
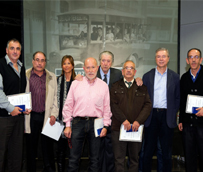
92, 77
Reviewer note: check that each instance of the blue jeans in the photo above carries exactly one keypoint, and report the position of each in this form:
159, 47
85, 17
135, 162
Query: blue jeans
158, 128
158, 154
80, 130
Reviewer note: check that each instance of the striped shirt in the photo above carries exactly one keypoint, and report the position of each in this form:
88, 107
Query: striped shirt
38, 91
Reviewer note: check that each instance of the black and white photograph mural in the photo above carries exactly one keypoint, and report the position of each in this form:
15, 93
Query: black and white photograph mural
130, 29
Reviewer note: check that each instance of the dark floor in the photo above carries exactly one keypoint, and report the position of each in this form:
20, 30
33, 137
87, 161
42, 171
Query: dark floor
178, 165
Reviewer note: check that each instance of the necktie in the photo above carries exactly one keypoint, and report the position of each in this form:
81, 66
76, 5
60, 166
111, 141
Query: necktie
105, 79
129, 83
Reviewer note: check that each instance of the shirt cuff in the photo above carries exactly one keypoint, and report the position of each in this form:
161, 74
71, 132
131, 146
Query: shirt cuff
10, 108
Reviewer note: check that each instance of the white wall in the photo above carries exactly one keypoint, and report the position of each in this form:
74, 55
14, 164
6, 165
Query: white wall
191, 29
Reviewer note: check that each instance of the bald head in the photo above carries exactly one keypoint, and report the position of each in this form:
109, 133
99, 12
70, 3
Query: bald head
90, 68
90, 59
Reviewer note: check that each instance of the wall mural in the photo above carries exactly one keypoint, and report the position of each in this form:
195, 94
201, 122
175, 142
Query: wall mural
131, 29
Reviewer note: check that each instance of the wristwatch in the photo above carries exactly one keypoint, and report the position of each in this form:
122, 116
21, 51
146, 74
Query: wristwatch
106, 127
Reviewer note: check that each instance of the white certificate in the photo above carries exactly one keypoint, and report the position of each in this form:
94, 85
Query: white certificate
98, 126
21, 99
193, 101
53, 131
134, 136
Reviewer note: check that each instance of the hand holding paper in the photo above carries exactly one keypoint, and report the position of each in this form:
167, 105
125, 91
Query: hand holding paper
135, 126
16, 111
103, 132
52, 120
127, 125
53, 131
199, 112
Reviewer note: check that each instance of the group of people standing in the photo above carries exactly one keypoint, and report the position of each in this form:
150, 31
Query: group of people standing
115, 95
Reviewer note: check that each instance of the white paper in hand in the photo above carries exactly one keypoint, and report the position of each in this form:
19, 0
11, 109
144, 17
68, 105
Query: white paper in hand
98, 126
53, 131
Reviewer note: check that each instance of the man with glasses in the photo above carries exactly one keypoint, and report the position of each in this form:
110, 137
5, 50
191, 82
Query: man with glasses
130, 106
192, 123
43, 86
109, 75
164, 89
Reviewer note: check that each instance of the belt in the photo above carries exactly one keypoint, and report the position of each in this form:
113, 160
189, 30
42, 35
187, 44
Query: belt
85, 118
41, 113
159, 109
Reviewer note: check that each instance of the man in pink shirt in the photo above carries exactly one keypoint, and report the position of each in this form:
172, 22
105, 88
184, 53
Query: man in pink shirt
87, 100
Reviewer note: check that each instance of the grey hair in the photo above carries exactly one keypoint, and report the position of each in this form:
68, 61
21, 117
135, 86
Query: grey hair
107, 52
162, 49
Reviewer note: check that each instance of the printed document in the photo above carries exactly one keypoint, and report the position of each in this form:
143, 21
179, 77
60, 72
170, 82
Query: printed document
132, 136
21, 99
193, 102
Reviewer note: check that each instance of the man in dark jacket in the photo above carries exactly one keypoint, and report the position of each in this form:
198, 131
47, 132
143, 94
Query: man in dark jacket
192, 123
12, 81
130, 106
163, 87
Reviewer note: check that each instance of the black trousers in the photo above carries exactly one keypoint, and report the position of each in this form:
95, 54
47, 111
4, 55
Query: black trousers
158, 128
107, 156
193, 146
11, 140
36, 124
120, 149
80, 130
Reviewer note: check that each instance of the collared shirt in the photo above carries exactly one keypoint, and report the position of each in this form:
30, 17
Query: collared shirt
160, 93
193, 76
107, 75
38, 91
127, 81
87, 99
8, 61
4, 103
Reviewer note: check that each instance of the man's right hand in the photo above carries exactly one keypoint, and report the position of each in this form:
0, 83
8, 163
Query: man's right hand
127, 125
180, 126
79, 77
68, 132
16, 111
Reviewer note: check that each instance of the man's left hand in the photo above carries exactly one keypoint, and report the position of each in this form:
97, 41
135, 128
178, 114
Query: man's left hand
200, 112
103, 132
139, 81
135, 126
52, 120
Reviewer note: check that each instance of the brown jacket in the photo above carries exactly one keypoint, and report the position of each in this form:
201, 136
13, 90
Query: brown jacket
132, 104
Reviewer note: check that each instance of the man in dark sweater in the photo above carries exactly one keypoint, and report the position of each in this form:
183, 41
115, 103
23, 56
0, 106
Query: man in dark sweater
192, 124
130, 105
12, 81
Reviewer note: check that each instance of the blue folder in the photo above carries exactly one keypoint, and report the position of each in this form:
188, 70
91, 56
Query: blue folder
22, 107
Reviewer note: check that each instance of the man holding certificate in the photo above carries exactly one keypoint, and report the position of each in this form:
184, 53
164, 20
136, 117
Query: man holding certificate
87, 100
192, 123
12, 81
43, 86
130, 106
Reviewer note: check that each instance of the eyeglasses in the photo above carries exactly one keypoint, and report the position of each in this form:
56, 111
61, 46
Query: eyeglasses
130, 68
194, 57
38, 60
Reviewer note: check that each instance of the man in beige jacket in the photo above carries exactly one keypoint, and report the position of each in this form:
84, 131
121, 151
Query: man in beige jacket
43, 87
